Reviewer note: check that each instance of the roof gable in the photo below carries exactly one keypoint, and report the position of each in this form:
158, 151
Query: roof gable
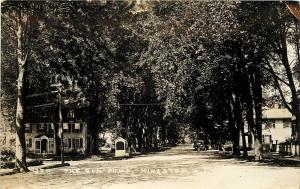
277, 113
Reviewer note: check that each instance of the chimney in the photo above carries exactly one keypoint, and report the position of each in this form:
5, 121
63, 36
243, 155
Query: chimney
276, 105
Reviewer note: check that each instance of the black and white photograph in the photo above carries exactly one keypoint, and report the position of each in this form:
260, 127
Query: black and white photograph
143, 94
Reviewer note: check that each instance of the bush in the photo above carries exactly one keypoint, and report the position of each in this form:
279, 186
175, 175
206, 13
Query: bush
11, 164
35, 162
7, 155
7, 165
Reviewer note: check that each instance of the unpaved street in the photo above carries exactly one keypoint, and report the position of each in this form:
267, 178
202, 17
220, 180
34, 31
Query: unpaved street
179, 167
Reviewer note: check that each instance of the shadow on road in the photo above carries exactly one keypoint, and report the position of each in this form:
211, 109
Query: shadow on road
269, 160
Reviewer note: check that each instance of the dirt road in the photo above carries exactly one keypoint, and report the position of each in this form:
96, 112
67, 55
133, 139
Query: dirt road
179, 167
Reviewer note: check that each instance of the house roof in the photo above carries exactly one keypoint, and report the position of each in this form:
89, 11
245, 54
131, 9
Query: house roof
120, 139
277, 113
47, 135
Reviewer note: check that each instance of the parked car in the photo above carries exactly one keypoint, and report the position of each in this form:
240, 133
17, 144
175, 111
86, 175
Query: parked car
228, 146
199, 145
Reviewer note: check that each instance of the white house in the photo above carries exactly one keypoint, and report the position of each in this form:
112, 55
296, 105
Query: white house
41, 133
277, 126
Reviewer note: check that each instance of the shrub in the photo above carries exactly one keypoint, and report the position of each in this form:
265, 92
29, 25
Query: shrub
35, 162
7, 164
7, 155
11, 164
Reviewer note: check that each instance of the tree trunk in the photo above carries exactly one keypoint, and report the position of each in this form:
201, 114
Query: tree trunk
55, 138
297, 131
95, 138
240, 124
234, 131
236, 140
247, 99
93, 127
250, 121
140, 144
257, 93
245, 152
20, 135
20, 164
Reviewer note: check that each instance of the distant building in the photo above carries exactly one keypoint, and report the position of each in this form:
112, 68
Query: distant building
41, 132
277, 127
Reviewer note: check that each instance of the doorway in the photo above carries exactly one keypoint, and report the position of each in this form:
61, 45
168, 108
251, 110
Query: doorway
44, 146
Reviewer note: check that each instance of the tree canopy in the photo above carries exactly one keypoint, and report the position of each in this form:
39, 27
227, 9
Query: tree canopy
149, 70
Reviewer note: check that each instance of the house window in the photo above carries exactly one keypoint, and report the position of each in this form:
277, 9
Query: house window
65, 127
28, 128
37, 145
71, 127
66, 142
77, 143
273, 124
33, 127
81, 143
266, 139
51, 144
29, 143
70, 143
71, 114
49, 127
41, 127
77, 128
286, 123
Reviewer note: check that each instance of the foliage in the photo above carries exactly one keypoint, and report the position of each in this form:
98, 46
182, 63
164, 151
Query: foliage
150, 71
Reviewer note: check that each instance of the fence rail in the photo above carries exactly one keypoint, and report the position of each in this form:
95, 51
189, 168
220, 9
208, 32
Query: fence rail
280, 148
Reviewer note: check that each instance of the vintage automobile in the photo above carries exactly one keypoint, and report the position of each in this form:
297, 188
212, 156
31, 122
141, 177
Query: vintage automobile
199, 145
228, 146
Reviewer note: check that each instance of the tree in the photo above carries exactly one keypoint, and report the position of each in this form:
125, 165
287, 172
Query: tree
285, 30
280, 31
20, 19
180, 55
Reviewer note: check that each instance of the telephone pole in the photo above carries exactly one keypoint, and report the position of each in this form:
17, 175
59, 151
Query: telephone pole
60, 130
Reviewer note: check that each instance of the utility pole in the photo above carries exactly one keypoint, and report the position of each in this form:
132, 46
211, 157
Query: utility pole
61, 133
60, 130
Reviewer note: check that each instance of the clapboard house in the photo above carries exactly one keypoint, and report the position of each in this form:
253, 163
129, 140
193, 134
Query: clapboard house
277, 127
42, 130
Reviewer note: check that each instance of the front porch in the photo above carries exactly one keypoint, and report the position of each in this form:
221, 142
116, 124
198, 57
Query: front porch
43, 144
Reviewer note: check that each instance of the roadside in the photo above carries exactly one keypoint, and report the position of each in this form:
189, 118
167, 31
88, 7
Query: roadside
274, 159
178, 167
45, 165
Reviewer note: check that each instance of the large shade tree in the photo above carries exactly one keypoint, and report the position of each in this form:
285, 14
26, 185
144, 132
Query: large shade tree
20, 21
